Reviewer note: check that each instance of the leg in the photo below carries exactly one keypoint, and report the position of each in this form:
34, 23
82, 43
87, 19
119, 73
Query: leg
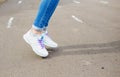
50, 10
35, 37
46, 9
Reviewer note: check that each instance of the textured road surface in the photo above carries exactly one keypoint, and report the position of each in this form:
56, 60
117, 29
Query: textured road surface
87, 31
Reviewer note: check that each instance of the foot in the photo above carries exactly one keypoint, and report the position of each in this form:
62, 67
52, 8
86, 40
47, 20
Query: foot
48, 41
36, 42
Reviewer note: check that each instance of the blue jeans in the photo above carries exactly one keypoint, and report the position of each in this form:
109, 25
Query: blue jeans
45, 11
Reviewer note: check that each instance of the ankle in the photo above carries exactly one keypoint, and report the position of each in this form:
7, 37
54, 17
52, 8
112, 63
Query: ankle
36, 31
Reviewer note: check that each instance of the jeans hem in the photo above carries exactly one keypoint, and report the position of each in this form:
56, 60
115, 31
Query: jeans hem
37, 28
40, 29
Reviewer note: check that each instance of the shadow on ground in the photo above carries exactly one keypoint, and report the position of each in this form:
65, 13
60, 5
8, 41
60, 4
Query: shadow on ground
112, 47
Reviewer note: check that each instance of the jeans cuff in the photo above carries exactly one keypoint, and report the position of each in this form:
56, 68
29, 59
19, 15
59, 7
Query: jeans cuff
37, 28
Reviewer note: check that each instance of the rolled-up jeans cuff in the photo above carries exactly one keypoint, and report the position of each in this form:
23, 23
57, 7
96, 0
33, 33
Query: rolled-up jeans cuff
37, 28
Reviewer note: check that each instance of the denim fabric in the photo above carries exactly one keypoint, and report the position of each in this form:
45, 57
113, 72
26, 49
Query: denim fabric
45, 11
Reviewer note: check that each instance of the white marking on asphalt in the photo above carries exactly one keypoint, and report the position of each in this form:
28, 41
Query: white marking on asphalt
19, 2
10, 22
75, 1
104, 2
77, 19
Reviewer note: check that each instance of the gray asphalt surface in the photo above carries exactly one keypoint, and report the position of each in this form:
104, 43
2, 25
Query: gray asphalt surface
87, 31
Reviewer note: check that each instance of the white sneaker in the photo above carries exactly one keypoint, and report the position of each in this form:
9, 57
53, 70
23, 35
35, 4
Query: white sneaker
48, 41
36, 42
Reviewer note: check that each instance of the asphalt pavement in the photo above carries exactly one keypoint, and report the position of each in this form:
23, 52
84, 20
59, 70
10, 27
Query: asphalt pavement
87, 31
